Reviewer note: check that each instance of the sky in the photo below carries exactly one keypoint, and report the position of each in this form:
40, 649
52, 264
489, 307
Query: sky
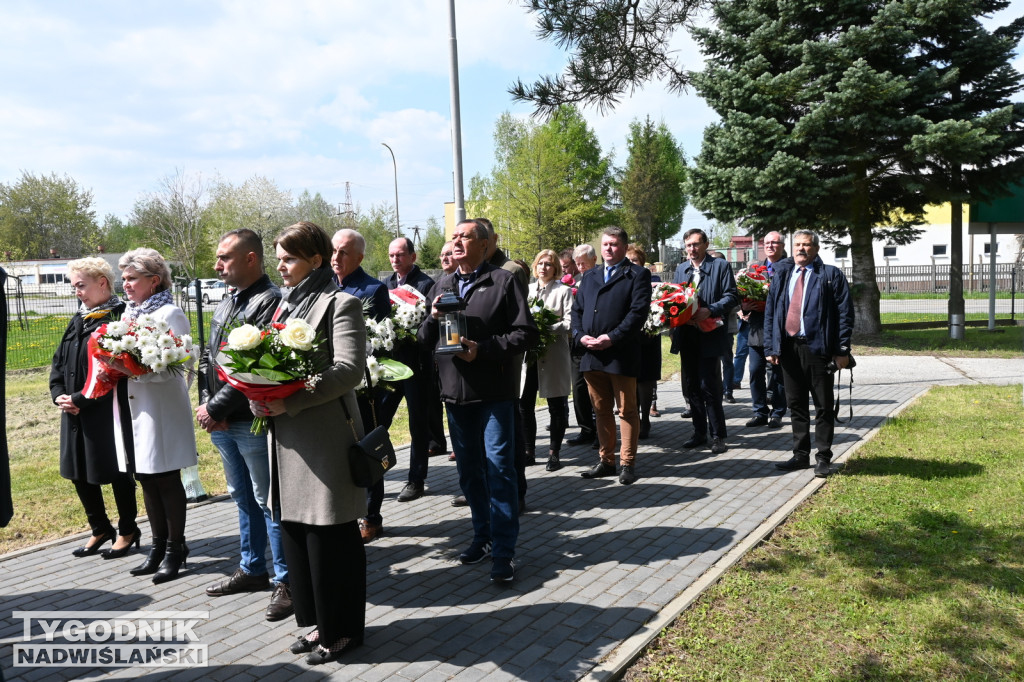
119, 95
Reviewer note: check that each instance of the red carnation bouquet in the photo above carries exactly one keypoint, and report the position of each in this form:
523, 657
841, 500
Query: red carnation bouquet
752, 285
270, 363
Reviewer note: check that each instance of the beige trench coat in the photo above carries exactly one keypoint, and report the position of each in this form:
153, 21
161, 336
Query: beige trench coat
554, 368
309, 443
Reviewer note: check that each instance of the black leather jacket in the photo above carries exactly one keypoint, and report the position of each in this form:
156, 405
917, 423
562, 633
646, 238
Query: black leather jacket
254, 305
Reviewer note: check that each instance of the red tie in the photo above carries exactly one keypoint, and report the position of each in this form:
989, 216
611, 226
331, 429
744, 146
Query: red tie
796, 305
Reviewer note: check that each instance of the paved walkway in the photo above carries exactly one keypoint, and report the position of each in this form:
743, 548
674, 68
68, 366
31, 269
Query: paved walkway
601, 566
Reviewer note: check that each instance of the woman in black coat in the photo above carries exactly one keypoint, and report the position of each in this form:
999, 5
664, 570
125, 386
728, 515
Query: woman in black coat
87, 451
650, 357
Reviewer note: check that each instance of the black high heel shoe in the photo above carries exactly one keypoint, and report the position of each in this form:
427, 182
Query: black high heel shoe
152, 562
176, 557
321, 655
115, 553
89, 550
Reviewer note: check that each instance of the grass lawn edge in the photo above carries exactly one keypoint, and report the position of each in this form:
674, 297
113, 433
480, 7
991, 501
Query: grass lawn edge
614, 665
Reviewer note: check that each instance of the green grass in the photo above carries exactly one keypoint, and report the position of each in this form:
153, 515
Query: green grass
45, 505
941, 319
896, 296
907, 565
1005, 342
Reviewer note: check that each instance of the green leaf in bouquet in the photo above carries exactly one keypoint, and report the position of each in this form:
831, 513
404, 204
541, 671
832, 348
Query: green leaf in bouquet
393, 370
273, 374
268, 361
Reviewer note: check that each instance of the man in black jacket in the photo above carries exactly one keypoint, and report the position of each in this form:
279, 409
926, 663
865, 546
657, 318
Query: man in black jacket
224, 413
611, 305
420, 391
700, 351
480, 387
765, 378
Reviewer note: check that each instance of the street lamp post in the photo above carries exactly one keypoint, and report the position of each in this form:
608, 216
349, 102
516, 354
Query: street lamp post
398, 230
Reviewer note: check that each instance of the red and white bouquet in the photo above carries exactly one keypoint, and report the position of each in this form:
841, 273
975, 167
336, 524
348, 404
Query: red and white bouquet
677, 303
270, 363
140, 346
408, 308
752, 285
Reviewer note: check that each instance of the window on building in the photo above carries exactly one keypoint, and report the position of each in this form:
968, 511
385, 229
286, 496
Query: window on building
938, 249
988, 248
888, 251
842, 252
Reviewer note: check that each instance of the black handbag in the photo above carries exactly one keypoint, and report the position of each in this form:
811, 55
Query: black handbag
371, 456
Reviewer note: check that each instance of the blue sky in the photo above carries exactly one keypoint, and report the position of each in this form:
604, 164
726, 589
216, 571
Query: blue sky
120, 94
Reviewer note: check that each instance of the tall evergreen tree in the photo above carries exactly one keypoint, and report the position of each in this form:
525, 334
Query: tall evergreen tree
825, 121
651, 184
976, 150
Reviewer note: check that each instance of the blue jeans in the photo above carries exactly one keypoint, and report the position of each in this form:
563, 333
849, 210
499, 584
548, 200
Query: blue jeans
483, 438
247, 472
766, 386
740, 358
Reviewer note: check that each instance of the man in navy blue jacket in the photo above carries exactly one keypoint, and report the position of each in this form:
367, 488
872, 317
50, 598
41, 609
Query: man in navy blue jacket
699, 351
608, 314
808, 324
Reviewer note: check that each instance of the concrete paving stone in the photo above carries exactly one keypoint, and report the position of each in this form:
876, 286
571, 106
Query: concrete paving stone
649, 542
418, 670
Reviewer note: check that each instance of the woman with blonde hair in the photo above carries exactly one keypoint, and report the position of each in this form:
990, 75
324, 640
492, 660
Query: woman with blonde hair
551, 374
311, 487
87, 449
155, 438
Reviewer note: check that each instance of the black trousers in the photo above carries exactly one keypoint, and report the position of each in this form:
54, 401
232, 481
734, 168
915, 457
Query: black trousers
557, 407
805, 373
327, 572
91, 495
581, 401
702, 385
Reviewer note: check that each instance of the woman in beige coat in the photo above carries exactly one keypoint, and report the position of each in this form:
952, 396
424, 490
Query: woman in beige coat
311, 488
551, 374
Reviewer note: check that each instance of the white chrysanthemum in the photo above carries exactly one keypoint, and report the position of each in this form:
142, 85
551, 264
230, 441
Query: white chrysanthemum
149, 355
185, 340
158, 366
165, 341
145, 321
162, 326
117, 328
129, 342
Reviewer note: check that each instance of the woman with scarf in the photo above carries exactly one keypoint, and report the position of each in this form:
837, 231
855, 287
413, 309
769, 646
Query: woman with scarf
155, 438
311, 488
87, 450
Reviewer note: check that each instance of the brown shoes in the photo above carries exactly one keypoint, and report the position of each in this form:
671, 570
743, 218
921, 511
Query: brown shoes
280, 603
370, 530
240, 581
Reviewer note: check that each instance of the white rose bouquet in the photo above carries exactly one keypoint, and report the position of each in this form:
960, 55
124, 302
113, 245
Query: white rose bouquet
141, 346
270, 363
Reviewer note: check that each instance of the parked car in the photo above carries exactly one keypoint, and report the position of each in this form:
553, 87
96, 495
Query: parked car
210, 290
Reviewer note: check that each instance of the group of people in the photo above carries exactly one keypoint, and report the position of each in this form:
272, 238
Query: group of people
293, 487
